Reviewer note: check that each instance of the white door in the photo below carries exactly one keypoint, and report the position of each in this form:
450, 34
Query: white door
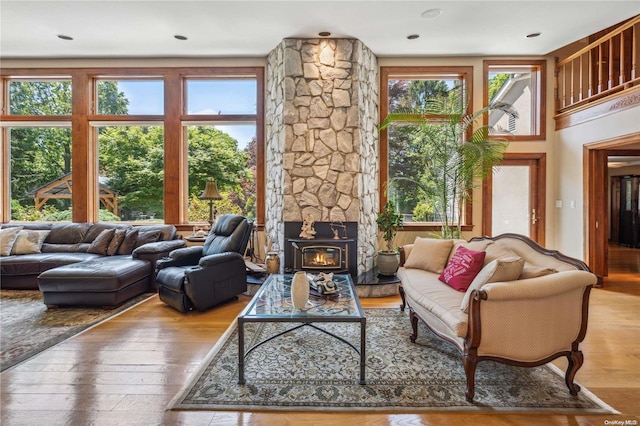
513, 194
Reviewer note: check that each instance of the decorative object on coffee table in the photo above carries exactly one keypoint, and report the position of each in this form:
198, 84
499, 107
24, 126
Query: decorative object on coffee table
299, 290
323, 283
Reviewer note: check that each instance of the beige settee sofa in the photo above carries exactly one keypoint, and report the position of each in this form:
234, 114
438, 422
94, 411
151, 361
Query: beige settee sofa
527, 306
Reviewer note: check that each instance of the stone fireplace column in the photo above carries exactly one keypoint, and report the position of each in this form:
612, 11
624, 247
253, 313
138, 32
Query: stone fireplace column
322, 137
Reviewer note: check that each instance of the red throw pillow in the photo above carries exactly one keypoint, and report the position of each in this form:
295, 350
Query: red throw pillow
463, 267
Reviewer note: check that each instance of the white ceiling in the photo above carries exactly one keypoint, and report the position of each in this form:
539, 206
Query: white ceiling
121, 29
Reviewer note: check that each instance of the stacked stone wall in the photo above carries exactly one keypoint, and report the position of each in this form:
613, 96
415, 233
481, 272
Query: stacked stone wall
322, 139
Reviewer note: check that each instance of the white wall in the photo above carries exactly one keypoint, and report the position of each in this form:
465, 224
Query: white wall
569, 235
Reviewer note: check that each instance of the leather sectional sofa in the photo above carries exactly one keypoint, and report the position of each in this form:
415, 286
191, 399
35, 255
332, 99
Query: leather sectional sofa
101, 264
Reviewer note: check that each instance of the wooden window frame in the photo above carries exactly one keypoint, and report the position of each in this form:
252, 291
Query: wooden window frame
85, 202
465, 73
538, 93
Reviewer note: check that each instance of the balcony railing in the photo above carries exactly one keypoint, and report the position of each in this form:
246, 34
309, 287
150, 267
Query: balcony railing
608, 65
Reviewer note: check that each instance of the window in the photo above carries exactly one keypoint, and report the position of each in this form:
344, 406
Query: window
225, 153
522, 85
405, 172
222, 96
143, 144
39, 97
222, 130
41, 178
130, 97
37, 131
131, 173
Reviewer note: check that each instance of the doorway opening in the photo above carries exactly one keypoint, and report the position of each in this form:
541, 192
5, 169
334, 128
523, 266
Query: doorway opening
600, 225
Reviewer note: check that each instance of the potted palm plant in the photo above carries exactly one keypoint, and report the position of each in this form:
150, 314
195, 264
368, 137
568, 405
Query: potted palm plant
457, 153
389, 221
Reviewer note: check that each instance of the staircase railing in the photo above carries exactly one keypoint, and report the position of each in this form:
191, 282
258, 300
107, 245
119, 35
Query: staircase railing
604, 67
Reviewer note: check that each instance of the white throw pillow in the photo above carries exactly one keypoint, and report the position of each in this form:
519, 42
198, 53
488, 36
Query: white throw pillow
499, 270
29, 242
429, 254
7, 239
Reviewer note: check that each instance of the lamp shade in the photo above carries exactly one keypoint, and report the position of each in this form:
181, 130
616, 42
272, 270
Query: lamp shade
211, 191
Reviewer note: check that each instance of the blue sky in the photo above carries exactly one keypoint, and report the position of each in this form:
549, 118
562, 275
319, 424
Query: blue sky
204, 97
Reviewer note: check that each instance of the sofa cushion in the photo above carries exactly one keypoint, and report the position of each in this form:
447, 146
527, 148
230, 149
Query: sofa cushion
498, 270
429, 254
67, 233
435, 296
102, 274
147, 236
167, 232
101, 243
61, 248
129, 242
97, 228
34, 264
462, 268
8, 237
533, 271
29, 242
480, 245
117, 239
498, 251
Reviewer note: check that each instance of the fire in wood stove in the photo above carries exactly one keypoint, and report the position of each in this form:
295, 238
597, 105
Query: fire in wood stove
321, 257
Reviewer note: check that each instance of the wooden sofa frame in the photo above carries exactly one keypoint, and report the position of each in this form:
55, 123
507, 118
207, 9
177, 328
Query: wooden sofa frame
470, 357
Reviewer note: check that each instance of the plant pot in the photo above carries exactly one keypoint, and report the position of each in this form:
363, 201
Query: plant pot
388, 262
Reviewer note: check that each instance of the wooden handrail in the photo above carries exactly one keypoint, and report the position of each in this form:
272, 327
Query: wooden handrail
583, 76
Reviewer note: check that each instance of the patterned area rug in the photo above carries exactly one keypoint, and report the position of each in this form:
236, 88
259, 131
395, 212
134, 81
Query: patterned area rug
28, 327
307, 370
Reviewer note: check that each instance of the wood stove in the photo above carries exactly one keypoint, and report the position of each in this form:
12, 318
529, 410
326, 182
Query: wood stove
321, 254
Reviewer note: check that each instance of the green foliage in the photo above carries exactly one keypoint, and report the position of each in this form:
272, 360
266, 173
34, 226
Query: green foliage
132, 164
424, 212
214, 154
495, 84
389, 221
66, 216
199, 209
453, 161
29, 213
107, 216
40, 97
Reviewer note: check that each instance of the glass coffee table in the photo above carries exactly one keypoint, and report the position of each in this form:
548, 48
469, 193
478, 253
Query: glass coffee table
272, 303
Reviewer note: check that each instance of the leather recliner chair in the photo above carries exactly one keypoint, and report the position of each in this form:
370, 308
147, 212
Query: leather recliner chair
204, 276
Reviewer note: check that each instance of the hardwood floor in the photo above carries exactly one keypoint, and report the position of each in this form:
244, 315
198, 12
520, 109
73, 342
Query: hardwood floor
126, 371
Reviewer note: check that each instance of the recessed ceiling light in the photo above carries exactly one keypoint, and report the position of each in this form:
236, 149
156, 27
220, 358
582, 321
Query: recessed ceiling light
431, 13
413, 36
180, 37
64, 37
324, 34
533, 35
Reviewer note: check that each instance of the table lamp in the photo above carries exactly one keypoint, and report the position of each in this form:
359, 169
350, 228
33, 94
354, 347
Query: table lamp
211, 193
